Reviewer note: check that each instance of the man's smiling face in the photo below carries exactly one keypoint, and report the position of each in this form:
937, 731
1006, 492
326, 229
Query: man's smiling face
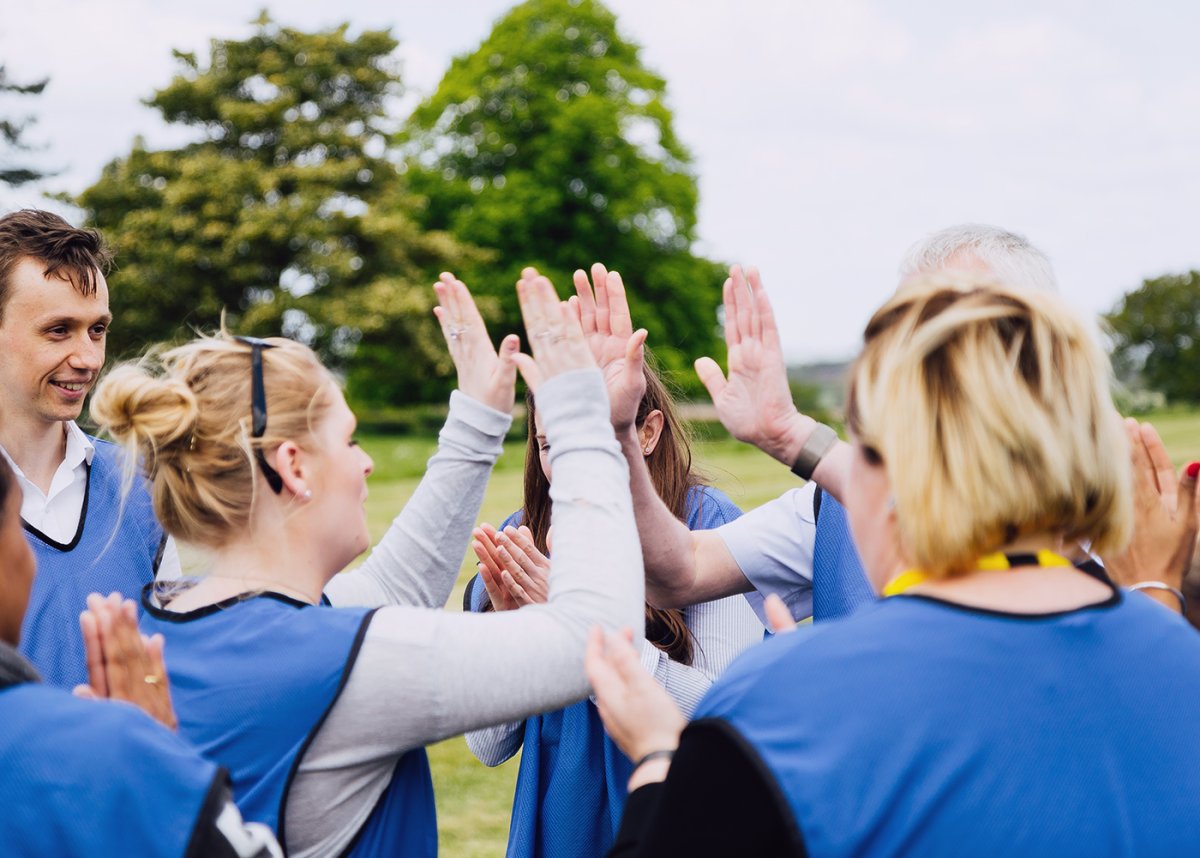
51, 344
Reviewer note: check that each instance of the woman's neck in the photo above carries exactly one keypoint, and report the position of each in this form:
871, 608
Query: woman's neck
1026, 589
255, 566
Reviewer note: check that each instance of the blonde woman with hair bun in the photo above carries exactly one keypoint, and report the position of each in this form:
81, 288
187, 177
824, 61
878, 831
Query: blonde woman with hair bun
321, 712
998, 700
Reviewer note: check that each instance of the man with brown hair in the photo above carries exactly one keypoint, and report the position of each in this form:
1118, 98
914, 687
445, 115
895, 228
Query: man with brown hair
54, 320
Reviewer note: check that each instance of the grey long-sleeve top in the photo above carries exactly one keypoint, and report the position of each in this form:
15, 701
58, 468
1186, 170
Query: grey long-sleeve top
424, 674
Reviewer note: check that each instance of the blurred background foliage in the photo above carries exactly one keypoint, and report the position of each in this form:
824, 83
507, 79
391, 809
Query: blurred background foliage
303, 207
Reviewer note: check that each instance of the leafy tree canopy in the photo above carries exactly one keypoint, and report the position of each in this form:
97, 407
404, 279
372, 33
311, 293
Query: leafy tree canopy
12, 172
285, 212
552, 145
1155, 332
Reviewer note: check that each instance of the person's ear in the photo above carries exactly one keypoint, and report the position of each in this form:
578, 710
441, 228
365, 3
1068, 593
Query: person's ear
293, 467
650, 431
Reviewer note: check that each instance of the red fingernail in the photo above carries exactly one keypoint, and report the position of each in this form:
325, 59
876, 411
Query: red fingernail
1193, 469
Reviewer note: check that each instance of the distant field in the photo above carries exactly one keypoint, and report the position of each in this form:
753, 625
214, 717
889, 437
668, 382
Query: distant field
474, 801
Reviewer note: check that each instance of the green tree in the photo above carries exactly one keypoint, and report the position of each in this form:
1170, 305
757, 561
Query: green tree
285, 212
552, 145
13, 172
1155, 333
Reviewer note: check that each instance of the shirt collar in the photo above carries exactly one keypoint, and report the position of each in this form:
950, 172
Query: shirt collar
80, 448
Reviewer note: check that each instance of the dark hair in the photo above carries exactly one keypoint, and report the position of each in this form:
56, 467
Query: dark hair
670, 466
72, 254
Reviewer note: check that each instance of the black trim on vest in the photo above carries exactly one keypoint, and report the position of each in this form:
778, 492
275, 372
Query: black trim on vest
69, 546
1111, 602
161, 613
351, 658
158, 555
817, 495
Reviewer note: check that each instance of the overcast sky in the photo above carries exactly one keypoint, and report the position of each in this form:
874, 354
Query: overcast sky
828, 136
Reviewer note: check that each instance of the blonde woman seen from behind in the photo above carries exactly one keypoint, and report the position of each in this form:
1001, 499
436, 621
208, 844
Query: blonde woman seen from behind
986, 704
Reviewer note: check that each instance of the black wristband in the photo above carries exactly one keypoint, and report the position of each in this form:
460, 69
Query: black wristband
662, 754
819, 443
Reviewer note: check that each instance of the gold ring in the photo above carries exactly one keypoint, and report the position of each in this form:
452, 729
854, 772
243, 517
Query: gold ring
152, 679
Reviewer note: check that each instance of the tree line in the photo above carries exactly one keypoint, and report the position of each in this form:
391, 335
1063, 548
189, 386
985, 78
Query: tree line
303, 207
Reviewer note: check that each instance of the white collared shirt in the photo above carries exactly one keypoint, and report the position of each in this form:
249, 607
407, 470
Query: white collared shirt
56, 513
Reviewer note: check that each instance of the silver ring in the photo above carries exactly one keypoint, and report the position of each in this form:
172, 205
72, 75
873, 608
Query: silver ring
456, 333
542, 334
558, 338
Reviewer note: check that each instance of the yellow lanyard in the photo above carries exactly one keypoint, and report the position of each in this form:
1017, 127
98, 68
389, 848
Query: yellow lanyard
988, 563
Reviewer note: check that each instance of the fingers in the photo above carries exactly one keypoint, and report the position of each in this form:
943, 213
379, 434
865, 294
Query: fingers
510, 347
729, 300
1188, 482
624, 658
584, 302
94, 649
85, 692
603, 309
539, 308
779, 618
768, 331
620, 320
743, 305
517, 592
1164, 471
520, 543
710, 376
1145, 484
635, 355
529, 370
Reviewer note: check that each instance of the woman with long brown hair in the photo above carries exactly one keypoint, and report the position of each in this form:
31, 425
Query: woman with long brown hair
572, 783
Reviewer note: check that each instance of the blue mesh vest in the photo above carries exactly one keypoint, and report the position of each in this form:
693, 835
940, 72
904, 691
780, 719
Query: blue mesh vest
252, 681
839, 583
573, 781
116, 549
83, 777
917, 727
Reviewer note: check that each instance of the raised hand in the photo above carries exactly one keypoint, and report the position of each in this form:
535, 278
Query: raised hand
552, 331
637, 712
603, 312
122, 663
754, 403
483, 374
1165, 524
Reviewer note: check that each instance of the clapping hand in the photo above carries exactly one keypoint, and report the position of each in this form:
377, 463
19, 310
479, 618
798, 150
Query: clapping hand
483, 374
514, 572
1165, 524
122, 663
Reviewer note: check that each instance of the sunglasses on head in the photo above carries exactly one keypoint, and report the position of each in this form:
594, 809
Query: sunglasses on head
258, 407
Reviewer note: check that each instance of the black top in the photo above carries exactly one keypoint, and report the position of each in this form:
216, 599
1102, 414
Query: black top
719, 799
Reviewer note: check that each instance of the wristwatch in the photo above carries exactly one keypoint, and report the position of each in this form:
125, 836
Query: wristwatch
819, 443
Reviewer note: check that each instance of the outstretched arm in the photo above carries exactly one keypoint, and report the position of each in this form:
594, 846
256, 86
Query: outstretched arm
754, 402
682, 567
417, 561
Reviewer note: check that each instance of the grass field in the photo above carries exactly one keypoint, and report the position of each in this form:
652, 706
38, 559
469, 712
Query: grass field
474, 801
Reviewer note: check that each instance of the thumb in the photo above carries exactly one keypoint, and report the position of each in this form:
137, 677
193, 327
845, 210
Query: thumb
635, 353
778, 616
84, 691
711, 376
529, 370
1187, 492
